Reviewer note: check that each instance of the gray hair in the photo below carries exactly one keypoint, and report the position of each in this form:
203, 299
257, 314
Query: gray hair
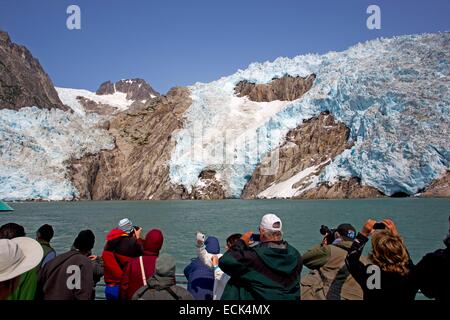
273, 234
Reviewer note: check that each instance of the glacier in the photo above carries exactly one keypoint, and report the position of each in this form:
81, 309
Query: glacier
392, 93
35, 147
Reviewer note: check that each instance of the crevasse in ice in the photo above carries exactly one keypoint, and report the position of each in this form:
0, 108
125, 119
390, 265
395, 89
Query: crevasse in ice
393, 94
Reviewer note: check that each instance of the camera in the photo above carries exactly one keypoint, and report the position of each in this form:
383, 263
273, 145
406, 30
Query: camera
329, 233
379, 226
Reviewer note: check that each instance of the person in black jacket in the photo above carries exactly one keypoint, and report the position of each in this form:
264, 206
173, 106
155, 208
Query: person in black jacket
386, 277
432, 274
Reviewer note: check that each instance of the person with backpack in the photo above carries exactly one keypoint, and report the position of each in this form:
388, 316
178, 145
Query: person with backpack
162, 285
431, 275
329, 278
70, 276
122, 245
138, 270
43, 235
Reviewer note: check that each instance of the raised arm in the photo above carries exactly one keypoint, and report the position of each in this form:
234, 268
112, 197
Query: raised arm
356, 268
236, 261
316, 257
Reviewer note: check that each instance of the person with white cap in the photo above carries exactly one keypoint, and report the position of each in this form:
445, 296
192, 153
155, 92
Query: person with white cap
268, 270
17, 256
122, 245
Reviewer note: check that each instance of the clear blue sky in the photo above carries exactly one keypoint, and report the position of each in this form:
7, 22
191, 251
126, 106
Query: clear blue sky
172, 43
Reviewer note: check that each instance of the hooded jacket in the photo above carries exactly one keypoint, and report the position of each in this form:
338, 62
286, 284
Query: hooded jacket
120, 248
54, 276
200, 276
162, 286
267, 271
132, 276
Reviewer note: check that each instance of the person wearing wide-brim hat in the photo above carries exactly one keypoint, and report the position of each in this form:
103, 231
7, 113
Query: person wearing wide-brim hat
17, 256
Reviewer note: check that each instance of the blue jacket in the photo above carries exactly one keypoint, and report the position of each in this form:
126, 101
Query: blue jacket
200, 277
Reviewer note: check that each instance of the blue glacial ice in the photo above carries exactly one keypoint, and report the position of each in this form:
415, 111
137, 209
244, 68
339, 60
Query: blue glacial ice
393, 94
35, 145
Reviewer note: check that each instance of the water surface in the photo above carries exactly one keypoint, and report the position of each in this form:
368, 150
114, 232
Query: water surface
422, 222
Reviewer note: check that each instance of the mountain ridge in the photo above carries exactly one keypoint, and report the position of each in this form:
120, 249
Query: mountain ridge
370, 121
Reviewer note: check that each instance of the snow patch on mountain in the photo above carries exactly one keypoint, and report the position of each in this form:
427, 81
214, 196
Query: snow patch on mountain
287, 188
69, 96
393, 94
35, 145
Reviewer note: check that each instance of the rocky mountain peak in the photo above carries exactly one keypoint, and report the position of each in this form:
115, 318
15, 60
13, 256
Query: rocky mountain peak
4, 37
23, 81
136, 89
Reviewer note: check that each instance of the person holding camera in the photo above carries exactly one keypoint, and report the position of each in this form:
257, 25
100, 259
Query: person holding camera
139, 269
268, 270
200, 276
212, 261
329, 278
122, 244
387, 275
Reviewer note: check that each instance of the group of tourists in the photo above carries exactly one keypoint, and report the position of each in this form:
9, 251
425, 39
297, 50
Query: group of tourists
259, 266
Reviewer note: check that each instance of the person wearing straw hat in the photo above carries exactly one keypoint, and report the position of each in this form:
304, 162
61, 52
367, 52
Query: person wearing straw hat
17, 256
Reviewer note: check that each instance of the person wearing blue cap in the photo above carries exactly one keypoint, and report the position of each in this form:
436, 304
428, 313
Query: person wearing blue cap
200, 276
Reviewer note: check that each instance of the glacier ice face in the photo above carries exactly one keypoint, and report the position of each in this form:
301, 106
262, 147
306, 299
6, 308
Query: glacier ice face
393, 94
35, 145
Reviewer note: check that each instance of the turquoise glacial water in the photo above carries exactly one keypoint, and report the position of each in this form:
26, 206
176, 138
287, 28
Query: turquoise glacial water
422, 222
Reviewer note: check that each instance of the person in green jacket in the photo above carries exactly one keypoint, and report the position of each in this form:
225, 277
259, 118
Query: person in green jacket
26, 283
268, 270
18, 258
44, 235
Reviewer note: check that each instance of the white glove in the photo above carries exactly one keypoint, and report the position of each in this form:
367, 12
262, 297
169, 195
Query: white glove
200, 238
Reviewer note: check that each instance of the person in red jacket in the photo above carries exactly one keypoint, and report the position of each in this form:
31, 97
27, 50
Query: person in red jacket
142, 268
122, 245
